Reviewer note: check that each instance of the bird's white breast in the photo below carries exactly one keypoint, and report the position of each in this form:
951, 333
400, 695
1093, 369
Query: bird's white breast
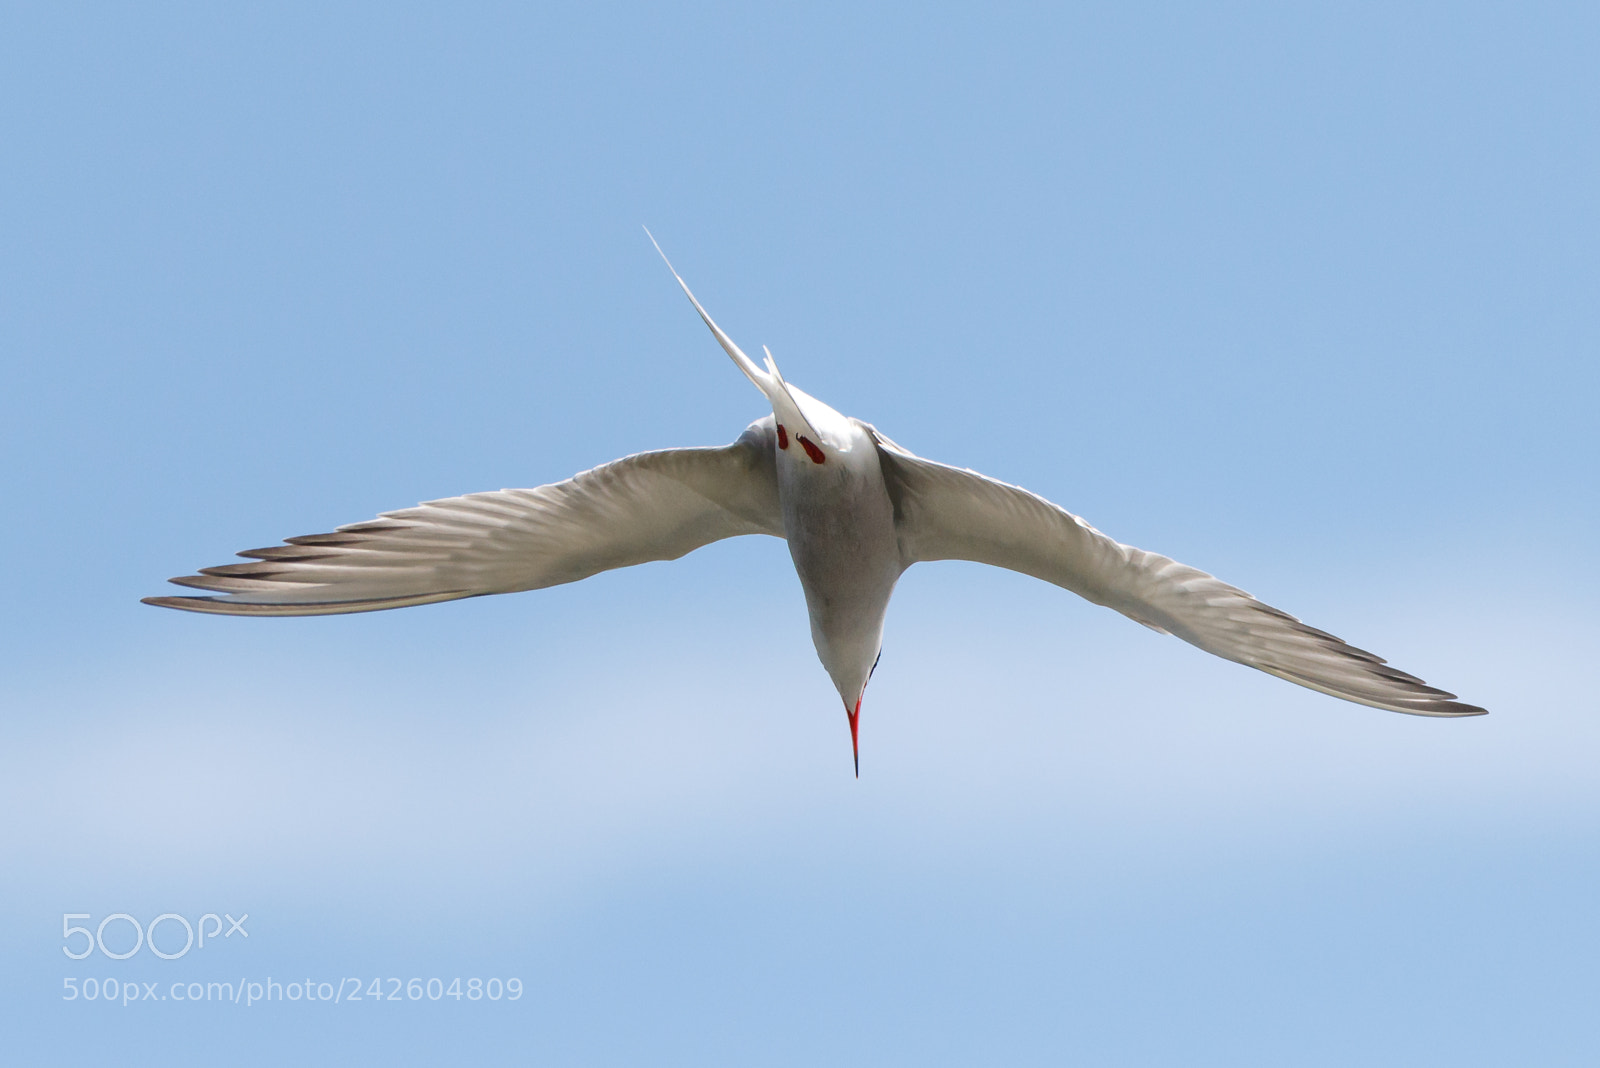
839, 522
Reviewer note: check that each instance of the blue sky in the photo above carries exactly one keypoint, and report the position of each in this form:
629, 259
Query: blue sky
1302, 297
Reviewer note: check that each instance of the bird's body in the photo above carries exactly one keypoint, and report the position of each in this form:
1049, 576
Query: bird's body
856, 510
839, 523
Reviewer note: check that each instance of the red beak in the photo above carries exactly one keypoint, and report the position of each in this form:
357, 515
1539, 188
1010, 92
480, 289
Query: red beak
855, 740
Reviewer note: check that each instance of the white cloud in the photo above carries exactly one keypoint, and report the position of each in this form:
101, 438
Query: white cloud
992, 727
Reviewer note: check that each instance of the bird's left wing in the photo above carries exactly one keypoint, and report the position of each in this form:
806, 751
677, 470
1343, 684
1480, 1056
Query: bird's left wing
947, 513
650, 506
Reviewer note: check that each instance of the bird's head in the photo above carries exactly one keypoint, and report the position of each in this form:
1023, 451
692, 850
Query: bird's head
851, 692
850, 655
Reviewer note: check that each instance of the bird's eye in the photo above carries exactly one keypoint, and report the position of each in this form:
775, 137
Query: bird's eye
783, 437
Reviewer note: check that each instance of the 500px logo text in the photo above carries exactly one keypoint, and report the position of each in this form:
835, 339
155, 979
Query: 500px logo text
122, 924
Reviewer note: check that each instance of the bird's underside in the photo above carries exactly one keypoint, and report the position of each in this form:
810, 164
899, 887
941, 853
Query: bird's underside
661, 505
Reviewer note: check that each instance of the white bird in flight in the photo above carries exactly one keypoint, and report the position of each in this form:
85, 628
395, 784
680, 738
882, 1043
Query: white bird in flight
856, 510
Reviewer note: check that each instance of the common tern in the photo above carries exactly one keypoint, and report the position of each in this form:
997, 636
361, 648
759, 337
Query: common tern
856, 510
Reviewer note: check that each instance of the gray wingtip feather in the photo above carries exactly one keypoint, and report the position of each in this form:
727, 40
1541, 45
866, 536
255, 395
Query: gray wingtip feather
228, 606
1445, 710
227, 583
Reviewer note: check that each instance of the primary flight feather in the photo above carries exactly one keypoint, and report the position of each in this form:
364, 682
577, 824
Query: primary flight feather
856, 510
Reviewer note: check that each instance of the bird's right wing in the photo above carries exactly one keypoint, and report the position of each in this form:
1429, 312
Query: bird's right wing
650, 506
947, 513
